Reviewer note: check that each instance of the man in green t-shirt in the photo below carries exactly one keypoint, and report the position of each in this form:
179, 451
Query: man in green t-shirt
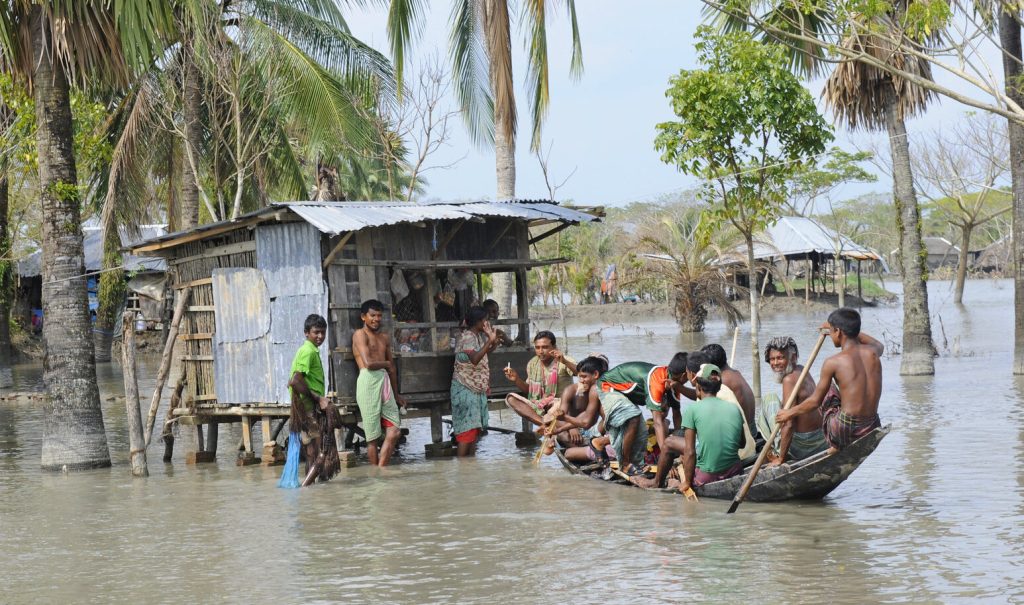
717, 425
312, 415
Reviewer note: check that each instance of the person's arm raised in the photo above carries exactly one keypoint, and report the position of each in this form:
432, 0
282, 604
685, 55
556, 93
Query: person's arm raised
868, 341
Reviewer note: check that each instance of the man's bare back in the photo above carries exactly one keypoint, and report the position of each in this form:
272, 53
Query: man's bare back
735, 381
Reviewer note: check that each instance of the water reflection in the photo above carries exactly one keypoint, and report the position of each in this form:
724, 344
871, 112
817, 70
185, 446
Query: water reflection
935, 514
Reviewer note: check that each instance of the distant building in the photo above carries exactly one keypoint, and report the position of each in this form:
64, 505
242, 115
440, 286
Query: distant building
942, 253
996, 257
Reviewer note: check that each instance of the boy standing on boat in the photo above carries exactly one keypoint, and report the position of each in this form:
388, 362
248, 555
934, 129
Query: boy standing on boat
857, 372
377, 386
803, 437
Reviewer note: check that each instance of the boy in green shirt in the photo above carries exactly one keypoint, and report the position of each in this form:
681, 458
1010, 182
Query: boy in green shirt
312, 415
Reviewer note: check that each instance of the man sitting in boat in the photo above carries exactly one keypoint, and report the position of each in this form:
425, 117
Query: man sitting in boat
719, 425
734, 380
803, 437
622, 421
548, 375
857, 372
658, 388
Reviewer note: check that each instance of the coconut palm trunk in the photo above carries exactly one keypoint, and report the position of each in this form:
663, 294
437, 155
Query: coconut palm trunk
73, 432
755, 322
110, 295
918, 356
499, 56
1009, 39
191, 112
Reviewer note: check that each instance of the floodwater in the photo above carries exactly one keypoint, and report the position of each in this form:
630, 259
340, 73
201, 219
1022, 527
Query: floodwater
936, 514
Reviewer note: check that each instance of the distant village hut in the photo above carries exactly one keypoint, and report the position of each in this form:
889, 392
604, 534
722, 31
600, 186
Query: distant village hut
253, 280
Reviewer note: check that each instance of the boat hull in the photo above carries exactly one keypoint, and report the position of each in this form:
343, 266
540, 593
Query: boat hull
808, 479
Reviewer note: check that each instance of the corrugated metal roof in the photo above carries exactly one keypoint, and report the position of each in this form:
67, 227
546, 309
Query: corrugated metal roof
32, 265
796, 235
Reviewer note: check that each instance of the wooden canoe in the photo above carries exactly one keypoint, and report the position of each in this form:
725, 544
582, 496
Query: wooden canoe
808, 479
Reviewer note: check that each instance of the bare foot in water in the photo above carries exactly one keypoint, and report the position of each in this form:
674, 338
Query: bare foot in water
673, 483
641, 481
831, 451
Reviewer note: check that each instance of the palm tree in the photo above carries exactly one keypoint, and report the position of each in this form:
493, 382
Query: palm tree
481, 53
862, 95
49, 44
690, 254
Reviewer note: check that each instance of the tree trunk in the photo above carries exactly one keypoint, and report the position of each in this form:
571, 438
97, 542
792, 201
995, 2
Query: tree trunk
918, 356
1009, 39
961, 263
73, 432
110, 294
136, 442
499, 58
755, 323
191, 111
841, 271
173, 208
6, 271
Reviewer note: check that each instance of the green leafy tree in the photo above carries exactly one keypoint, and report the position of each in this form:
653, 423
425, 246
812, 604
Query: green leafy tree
745, 124
49, 45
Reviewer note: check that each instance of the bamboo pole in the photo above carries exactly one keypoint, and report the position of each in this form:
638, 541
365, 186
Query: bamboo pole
165, 362
740, 495
136, 444
167, 434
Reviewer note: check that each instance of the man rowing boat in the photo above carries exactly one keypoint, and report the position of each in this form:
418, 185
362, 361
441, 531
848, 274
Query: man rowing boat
803, 437
850, 409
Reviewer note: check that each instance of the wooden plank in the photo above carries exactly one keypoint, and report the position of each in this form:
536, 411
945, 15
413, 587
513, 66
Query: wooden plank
206, 281
367, 280
224, 250
205, 398
202, 234
336, 249
501, 234
197, 357
449, 264
447, 239
199, 336
550, 232
424, 374
202, 309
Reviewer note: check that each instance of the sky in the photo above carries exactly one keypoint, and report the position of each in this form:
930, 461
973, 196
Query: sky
601, 128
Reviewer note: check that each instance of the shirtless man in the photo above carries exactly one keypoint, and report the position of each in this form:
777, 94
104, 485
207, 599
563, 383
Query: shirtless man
377, 385
734, 380
803, 437
857, 372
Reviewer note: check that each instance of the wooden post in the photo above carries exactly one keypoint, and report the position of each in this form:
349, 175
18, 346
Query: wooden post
136, 443
859, 294
212, 433
808, 278
247, 456
436, 428
167, 434
165, 362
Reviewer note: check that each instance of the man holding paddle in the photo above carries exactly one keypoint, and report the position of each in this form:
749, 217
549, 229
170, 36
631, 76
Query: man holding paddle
857, 372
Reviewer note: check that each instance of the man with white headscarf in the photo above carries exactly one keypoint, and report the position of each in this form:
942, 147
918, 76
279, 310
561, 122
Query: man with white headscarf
803, 437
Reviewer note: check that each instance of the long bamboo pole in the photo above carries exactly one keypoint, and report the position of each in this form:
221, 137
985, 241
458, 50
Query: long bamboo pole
735, 338
740, 495
165, 362
136, 444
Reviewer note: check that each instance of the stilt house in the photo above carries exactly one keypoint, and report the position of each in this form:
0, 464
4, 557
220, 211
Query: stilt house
252, 281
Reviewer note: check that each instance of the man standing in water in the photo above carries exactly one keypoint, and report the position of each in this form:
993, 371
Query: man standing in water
803, 437
857, 372
377, 385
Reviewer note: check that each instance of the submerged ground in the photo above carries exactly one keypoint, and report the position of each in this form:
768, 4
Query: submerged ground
935, 515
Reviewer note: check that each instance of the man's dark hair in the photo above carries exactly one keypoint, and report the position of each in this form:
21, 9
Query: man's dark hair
546, 334
314, 321
709, 385
475, 315
372, 304
678, 363
490, 302
714, 353
592, 364
695, 360
846, 320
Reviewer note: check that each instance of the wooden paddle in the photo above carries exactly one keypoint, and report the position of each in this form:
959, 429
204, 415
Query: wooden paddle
735, 337
740, 495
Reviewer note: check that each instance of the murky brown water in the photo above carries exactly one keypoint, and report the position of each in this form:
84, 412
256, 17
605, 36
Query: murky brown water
935, 515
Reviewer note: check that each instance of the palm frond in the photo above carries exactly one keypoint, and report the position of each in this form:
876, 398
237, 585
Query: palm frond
404, 27
469, 70
537, 81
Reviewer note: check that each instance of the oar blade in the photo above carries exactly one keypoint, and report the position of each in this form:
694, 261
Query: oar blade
732, 507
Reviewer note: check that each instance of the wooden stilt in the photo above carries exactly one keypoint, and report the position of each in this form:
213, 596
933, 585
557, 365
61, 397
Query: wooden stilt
439, 448
136, 442
247, 456
272, 454
167, 434
212, 433
165, 362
